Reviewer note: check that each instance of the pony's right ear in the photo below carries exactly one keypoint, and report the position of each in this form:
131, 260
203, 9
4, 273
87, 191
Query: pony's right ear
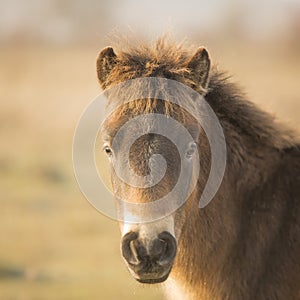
105, 63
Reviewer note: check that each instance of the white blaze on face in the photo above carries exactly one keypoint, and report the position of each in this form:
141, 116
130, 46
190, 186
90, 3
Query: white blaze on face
150, 231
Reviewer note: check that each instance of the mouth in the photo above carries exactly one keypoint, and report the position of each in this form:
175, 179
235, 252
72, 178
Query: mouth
151, 278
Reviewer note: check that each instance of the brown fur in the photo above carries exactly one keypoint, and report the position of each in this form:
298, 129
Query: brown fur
246, 243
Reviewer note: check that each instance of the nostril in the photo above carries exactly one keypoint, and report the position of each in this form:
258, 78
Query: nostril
158, 248
128, 249
168, 248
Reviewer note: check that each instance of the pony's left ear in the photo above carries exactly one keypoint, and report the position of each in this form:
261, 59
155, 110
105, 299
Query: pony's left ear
105, 63
199, 66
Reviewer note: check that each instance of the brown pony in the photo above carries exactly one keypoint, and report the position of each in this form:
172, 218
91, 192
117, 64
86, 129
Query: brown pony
245, 244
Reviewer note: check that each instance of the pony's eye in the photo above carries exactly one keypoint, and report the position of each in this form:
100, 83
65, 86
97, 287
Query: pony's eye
191, 150
108, 151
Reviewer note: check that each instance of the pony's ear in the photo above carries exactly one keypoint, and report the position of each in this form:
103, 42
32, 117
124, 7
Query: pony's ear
105, 63
199, 66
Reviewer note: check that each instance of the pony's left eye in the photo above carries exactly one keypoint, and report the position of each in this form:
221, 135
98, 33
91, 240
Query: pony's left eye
191, 150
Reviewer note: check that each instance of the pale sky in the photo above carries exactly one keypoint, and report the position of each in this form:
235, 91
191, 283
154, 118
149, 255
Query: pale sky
56, 20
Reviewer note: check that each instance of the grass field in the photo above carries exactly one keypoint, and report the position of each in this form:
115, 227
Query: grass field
54, 245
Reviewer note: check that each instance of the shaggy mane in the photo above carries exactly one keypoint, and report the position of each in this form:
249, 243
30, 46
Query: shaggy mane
167, 59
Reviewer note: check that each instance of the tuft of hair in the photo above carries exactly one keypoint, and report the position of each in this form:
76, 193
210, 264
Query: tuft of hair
161, 58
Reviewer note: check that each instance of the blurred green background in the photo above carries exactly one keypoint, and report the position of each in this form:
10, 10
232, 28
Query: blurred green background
54, 245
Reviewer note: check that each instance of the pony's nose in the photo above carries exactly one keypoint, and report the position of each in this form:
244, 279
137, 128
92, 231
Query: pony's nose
160, 251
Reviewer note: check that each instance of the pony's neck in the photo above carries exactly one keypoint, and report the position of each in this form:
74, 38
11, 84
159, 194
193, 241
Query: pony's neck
253, 144
244, 118
254, 139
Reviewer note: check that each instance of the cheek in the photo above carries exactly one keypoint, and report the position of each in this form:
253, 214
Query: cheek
125, 191
119, 188
184, 214
179, 220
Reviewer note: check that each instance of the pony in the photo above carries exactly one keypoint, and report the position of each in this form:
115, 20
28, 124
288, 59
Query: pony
245, 243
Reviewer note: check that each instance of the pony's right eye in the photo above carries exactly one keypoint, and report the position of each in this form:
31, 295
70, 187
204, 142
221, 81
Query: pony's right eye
108, 151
